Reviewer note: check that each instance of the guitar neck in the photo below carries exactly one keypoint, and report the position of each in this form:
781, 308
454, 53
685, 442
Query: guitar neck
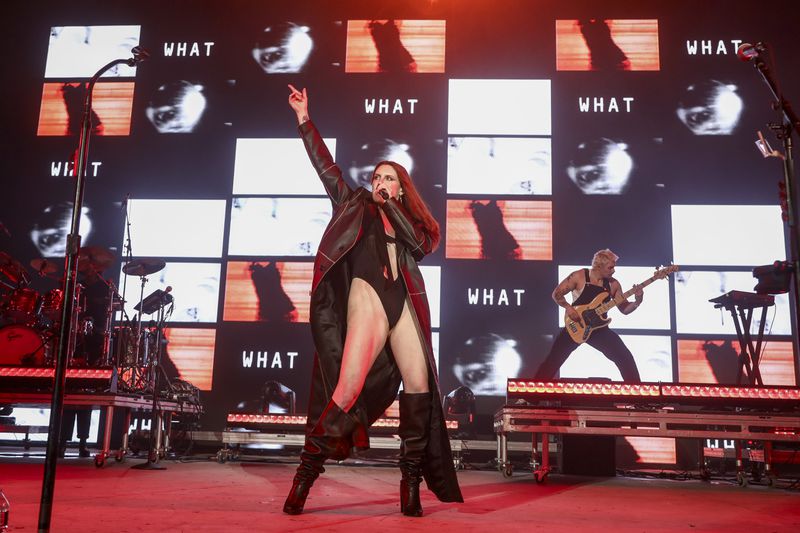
625, 295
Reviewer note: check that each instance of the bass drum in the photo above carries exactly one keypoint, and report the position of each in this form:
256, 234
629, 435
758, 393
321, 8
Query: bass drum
23, 345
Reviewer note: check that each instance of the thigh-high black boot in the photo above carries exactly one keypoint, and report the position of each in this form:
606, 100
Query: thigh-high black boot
415, 415
332, 438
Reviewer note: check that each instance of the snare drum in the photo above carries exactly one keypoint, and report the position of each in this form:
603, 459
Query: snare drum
23, 345
22, 306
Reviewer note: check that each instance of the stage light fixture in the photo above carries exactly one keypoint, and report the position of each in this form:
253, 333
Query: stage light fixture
459, 408
277, 398
773, 279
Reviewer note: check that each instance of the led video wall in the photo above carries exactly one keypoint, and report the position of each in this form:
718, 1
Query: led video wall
537, 132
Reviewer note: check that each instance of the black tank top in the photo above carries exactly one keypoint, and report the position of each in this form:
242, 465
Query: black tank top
590, 291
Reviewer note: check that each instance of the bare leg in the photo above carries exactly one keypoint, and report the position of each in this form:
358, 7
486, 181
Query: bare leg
408, 353
367, 330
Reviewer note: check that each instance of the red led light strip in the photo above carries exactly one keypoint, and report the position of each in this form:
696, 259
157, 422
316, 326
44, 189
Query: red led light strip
715, 391
294, 420
602, 389
653, 390
39, 372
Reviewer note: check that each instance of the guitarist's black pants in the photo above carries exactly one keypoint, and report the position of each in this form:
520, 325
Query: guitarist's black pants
602, 339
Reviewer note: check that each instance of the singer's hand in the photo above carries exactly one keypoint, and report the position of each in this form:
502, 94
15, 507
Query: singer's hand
298, 101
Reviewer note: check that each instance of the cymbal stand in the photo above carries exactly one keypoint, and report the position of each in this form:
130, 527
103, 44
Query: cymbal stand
128, 252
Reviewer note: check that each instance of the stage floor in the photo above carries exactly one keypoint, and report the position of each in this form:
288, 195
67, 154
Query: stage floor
247, 496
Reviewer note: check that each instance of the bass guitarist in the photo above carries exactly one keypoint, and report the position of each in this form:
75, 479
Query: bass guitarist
585, 285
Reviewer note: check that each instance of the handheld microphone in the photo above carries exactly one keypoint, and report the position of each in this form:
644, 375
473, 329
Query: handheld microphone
139, 54
383, 194
748, 52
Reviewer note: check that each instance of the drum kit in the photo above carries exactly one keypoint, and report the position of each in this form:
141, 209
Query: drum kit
30, 321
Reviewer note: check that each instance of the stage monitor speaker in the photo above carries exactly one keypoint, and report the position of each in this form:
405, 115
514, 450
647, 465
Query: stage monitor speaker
590, 455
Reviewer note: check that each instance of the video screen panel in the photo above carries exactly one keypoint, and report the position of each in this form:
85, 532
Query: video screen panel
176, 228
499, 165
474, 108
717, 361
277, 167
432, 275
653, 450
653, 313
652, 353
608, 45
191, 351
80, 51
727, 230
267, 291
277, 226
499, 229
412, 46
695, 314
61, 112
195, 291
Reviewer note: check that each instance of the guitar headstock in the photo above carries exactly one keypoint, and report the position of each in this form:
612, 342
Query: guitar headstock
663, 272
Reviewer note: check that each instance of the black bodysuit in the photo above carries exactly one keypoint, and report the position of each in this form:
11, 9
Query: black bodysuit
369, 260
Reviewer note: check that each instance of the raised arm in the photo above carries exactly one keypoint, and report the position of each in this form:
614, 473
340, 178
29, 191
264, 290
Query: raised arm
625, 307
328, 171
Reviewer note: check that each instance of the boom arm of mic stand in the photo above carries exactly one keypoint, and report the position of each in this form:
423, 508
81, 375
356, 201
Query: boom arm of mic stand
70, 279
781, 104
791, 124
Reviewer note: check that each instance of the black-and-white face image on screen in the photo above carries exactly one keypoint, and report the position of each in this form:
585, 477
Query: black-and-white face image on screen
485, 362
499, 165
177, 107
601, 166
727, 235
359, 172
696, 315
52, 225
277, 226
652, 353
80, 51
176, 228
283, 48
710, 107
276, 166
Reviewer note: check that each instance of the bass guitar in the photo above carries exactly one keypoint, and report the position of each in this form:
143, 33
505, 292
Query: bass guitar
593, 314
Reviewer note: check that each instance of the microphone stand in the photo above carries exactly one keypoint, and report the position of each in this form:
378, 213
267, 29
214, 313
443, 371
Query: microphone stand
789, 124
155, 418
70, 281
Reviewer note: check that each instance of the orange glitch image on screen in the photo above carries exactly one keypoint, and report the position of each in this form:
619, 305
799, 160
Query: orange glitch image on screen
191, 350
653, 450
716, 361
499, 229
597, 44
267, 291
62, 108
395, 46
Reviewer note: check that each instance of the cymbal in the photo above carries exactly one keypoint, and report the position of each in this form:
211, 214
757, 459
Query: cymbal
45, 266
95, 257
143, 267
12, 268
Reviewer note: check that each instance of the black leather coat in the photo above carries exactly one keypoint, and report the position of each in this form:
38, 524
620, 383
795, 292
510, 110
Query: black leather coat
329, 293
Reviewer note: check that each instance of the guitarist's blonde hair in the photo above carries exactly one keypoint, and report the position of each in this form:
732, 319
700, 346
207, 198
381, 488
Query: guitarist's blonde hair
602, 257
